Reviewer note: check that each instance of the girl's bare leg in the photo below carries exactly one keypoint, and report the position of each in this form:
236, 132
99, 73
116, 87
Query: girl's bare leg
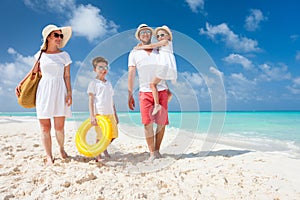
153, 87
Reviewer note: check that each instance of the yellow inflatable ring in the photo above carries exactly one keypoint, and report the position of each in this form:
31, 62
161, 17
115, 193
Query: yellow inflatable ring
95, 149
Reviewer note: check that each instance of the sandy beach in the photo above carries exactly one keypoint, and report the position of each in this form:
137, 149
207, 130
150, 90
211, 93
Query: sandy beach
224, 172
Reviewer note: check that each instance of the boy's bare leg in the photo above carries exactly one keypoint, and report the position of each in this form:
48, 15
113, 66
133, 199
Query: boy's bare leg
106, 154
99, 158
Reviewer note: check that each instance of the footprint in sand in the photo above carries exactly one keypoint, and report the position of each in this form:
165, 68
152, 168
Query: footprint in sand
36, 145
89, 178
10, 196
20, 148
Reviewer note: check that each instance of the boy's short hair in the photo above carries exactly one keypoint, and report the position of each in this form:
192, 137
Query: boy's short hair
98, 60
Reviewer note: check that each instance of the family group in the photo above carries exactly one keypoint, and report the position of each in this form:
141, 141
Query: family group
153, 62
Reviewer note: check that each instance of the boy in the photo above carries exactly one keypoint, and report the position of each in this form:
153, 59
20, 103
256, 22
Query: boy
101, 93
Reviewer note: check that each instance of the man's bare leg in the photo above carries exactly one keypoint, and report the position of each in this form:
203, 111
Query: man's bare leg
160, 132
150, 140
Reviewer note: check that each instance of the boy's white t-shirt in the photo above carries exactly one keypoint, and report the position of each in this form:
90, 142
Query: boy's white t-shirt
103, 96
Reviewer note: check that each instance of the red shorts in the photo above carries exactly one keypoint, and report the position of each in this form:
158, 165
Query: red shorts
147, 105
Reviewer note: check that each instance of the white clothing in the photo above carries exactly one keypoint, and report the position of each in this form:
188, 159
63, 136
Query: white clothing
168, 68
52, 91
146, 65
103, 96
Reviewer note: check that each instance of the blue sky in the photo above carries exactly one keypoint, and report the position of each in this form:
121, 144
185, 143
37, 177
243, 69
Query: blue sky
233, 55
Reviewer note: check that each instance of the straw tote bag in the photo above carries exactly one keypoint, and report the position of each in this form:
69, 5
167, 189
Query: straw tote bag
29, 87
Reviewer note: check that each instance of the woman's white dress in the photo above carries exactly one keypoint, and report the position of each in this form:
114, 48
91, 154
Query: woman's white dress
167, 70
52, 91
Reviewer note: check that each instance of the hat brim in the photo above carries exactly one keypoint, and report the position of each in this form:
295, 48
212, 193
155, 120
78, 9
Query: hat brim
143, 28
66, 31
164, 29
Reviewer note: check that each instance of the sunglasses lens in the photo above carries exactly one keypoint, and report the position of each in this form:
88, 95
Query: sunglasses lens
161, 35
102, 67
56, 35
142, 32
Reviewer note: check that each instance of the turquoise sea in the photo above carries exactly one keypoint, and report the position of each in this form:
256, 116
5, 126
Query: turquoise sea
278, 131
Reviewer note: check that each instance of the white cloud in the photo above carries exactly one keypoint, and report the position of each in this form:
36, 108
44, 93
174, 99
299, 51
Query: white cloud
14, 71
189, 91
296, 81
86, 21
254, 19
53, 6
240, 88
194, 78
295, 87
223, 33
294, 37
11, 74
239, 59
216, 72
60, 6
195, 5
274, 73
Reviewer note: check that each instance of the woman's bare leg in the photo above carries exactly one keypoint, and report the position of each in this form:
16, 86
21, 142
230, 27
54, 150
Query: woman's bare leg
59, 125
45, 125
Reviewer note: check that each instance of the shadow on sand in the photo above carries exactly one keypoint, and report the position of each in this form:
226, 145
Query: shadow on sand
135, 158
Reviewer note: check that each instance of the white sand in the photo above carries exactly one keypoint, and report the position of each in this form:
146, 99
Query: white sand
224, 173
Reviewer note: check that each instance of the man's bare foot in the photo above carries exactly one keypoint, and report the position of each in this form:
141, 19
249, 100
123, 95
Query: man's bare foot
157, 107
152, 157
63, 154
157, 154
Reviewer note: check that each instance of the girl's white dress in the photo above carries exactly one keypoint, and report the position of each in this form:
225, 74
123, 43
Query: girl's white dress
52, 91
167, 70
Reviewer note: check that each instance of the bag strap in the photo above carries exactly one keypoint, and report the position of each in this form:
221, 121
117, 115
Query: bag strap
37, 64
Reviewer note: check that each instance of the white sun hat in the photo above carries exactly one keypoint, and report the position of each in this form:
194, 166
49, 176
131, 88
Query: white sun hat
66, 31
165, 28
142, 27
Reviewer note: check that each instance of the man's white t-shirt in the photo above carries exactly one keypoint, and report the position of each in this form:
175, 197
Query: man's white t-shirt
146, 65
103, 96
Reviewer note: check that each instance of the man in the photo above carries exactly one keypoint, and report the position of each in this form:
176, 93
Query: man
145, 62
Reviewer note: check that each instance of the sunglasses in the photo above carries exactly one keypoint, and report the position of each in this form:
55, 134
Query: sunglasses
142, 32
56, 35
103, 67
161, 35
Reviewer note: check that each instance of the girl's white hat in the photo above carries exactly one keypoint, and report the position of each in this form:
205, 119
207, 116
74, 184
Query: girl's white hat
165, 28
66, 31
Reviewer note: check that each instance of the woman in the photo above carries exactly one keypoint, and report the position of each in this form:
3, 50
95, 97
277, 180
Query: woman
54, 94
